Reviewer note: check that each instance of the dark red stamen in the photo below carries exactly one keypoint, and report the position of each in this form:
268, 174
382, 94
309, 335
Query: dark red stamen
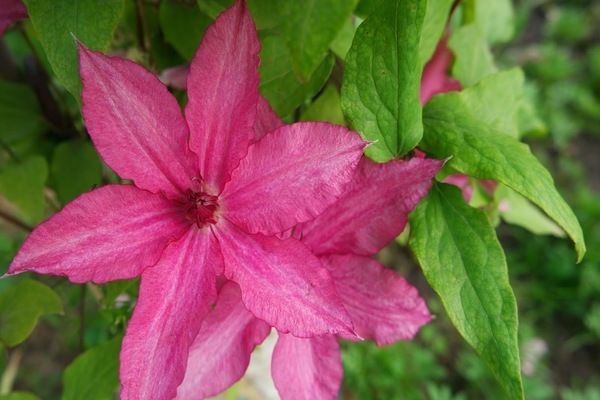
201, 208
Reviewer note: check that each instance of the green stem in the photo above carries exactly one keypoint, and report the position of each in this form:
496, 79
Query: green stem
10, 373
15, 221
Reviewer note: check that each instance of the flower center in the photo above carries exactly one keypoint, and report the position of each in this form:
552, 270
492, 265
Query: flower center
201, 208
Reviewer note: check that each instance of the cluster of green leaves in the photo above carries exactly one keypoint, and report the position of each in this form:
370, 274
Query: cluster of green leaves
319, 61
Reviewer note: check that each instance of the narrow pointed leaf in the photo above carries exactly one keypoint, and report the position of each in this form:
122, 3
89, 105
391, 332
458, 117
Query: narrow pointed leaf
309, 27
20, 307
56, 22
101, 363
463, 261
481, 151
380, 93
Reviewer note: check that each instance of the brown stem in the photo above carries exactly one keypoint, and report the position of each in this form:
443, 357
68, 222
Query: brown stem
141, 25
15, 221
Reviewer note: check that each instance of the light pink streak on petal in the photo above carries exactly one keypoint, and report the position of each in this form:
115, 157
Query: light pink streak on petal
176, 77
223, 94
291, 175
374, 208
136, 124
435, 75
266, 119
113, 232
221, 352
307, 369
383, 306
282, 283
11, 11
175, 296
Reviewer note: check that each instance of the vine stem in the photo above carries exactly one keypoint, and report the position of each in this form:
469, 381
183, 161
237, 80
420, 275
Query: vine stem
10, 373
15, 221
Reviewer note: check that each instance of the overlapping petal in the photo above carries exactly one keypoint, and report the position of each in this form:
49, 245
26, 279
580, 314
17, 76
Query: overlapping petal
175, 296
266, 119
307, 369
11, 11
221, 351
291, 175
113, 232
435, 77
374, 208
282, 283
383, 306
223, 94
136, 124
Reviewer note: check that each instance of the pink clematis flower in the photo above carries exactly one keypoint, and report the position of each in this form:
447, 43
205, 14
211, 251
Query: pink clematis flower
435, 77
384, 307
11, 11
208, 200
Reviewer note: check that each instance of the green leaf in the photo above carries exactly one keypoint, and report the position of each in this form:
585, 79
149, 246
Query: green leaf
517, 210
473, 59
382, 80
310, 26
94, 375
480, 151
21, 118
213, 8
23, 185
464, 263
75, 168
115, 288
183, 26
327, 107
434, 24
279, 84
496, 99
91, 21
495, 18
19, 396
343, 41
20, 307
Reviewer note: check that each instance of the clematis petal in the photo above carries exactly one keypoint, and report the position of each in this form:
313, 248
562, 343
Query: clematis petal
435, 75
175, 296
266, 119
282, 283
113, 232
374, 208
223, 94
11, 11
221, 352
383, 306
307, 369
136, 124
291, 175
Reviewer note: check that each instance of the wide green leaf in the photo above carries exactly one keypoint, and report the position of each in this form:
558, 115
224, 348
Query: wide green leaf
483, 152
327, 107
434, 23
473, 59
495, 18
382, 80
464, 263
279, 84
310, 26
183, 26
22, 183
94, 375
75, 168
20, 307
56, 22
19, 396
21, 118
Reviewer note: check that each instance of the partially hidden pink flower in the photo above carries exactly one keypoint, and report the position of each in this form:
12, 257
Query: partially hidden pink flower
208, 200
11, 11
383, 306
435, 77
